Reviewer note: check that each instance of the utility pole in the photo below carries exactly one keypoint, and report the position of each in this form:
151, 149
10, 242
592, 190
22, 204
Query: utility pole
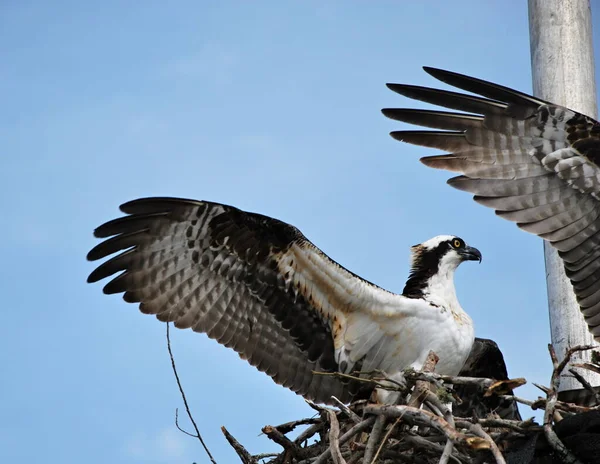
562, 62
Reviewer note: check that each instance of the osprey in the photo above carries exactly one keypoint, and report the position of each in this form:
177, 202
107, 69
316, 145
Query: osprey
257, 285
485, 360
534, 162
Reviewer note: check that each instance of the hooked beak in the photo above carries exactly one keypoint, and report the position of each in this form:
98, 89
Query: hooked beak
470, 254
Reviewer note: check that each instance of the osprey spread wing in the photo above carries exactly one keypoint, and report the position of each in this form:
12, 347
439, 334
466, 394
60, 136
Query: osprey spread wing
534, 162
257, 285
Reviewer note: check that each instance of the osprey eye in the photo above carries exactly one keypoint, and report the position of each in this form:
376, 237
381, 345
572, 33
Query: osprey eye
456, 243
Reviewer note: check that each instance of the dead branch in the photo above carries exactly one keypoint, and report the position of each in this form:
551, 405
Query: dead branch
308, 433
431, 433
279, 438
552, 396
351, 414
289, 426
345, 437
422, 387
334, 442
417, 441
244, 455
385, 439
374, 436
590, 367
540, 403
260, 456
187, 408
476, 429
421, 417
595, 394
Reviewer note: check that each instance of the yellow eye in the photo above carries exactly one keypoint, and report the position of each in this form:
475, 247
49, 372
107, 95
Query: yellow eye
456, 243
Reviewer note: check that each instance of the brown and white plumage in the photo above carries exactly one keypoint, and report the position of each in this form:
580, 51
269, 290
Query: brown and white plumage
534, 162
257, 285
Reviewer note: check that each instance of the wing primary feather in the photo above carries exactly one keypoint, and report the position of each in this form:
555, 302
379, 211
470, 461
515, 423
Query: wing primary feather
127, 224
448, 141
151, 205
116, 243
447, 99
485, 88
434, 119
112, 266
247, 280
533, 162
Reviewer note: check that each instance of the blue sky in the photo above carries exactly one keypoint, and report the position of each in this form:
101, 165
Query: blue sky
273, 107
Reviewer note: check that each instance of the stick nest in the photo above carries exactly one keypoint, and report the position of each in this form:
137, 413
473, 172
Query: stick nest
422, 428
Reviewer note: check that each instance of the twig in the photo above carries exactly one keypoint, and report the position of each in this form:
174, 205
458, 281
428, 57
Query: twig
283, 441
423, 386
179, 428
483, 383
334, 442
289, 426
436, 405
476, 429
552, 398
541, 387
540, 403
369, 457
590, 367
309, 432
447, 453
345, 437
351, 414
187, 408
426, 418
242, 452
381, 381
521, 427
595, 394
385, 438
424, 443
568, 355
260, 456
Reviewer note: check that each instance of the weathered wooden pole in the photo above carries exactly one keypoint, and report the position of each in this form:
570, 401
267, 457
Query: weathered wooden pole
562, 61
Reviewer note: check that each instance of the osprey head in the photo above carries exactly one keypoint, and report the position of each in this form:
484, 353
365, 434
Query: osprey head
437, 257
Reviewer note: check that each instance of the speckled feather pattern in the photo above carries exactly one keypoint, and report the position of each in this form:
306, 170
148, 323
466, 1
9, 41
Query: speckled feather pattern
535, 163
258, 286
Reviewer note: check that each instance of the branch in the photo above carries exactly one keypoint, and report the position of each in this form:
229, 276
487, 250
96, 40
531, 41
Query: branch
422, 387
334, 435
552, 398
385, 438
476, 429
309, 432
345, 437
595, 394
374, 436
424, 443
282, 440
242, 452
419, 416
351, 414
187, 408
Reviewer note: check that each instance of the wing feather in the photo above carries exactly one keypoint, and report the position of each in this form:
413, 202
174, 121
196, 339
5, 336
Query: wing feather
257, 285
534, 162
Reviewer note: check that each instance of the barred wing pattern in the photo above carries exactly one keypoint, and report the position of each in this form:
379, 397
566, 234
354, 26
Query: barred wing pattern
257, 285
534, 162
